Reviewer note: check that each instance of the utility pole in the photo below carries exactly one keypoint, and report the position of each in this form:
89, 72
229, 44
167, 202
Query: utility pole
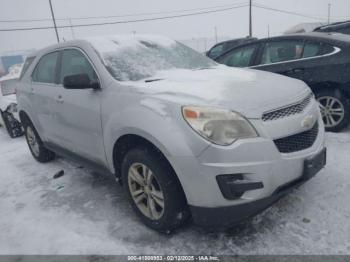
71, 28
250, 19
216, 35
329, 13
268, 31
54, 21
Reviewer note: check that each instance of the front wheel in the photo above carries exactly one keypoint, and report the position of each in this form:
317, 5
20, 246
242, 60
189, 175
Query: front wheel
335, 109
153, 190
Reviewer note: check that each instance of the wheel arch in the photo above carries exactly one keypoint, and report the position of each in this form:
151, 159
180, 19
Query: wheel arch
131, 140
128, 141
24, 117
342, 88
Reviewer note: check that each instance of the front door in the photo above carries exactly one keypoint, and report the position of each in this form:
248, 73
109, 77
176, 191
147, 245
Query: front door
78, 110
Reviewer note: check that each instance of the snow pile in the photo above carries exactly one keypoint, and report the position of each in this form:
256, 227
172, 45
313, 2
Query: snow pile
86, 213
14, 72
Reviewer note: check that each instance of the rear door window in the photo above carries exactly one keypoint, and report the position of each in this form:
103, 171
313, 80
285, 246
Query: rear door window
281, 51
45, 71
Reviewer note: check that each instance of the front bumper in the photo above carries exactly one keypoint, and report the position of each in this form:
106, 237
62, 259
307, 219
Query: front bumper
232, 215
257, 163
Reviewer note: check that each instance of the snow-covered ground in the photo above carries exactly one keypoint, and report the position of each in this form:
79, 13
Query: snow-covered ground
86, 213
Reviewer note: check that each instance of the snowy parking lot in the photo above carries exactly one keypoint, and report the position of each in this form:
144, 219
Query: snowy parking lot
86, 213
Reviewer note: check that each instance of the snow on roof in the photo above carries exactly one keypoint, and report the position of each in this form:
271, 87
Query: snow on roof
303, 28
113, 43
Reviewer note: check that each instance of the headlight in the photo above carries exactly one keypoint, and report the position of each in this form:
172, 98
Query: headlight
219, 126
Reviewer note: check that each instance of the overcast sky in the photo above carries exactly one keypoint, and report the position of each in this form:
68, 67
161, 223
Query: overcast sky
232, 23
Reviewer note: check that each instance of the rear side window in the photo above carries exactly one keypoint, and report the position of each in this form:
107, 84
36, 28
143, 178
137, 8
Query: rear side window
240, 57
74, 62
317, 49
26, 65
45, 71
281, 51
312, 49
326, 49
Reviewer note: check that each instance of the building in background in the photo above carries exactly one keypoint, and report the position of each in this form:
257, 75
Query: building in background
8, 59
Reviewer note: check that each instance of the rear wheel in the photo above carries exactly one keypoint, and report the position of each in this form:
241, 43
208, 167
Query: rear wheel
153, 190
36, 146
335, 109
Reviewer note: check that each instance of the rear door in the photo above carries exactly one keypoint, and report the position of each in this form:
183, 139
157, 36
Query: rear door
295, 58
78, 110
43, 92
282, 57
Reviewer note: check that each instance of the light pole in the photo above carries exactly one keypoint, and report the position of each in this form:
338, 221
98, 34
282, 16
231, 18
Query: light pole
329, 13
54, 21
250, 19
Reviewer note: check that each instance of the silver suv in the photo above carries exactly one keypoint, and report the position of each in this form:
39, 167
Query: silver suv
187, 137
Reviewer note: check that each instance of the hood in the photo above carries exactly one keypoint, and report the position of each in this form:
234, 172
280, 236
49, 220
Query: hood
249, 92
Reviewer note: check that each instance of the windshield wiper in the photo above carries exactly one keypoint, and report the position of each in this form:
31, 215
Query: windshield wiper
153, 80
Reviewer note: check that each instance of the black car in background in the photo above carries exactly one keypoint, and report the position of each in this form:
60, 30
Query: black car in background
322, 60
339, 27
222, 47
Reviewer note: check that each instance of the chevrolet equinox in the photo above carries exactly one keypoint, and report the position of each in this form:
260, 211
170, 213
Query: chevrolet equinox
185, 136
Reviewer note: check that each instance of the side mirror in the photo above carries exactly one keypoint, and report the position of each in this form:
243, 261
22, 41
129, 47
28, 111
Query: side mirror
79, 81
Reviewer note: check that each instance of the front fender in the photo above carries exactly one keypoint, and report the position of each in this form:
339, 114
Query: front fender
159, 122
24, 105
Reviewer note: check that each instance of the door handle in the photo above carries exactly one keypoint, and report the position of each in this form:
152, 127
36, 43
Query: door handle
294, 71
298, 70
59, 99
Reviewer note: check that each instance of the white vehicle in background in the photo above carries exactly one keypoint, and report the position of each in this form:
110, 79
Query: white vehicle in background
8, 102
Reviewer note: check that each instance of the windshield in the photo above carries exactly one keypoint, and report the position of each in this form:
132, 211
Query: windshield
137, 57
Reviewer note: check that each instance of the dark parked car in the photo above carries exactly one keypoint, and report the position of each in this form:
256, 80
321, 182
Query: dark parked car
339, 27
322, 60
222, 47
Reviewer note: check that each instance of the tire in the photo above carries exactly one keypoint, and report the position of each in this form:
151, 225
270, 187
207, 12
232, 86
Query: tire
162, 179
335, 109
35, 144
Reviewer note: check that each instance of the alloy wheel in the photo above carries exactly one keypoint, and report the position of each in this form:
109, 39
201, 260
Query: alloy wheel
32, 141
332, 110
146, 191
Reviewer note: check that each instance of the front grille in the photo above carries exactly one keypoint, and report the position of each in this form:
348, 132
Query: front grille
297, 142
288, 111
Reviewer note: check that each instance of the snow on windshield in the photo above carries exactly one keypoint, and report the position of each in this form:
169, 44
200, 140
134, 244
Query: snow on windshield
131, 58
